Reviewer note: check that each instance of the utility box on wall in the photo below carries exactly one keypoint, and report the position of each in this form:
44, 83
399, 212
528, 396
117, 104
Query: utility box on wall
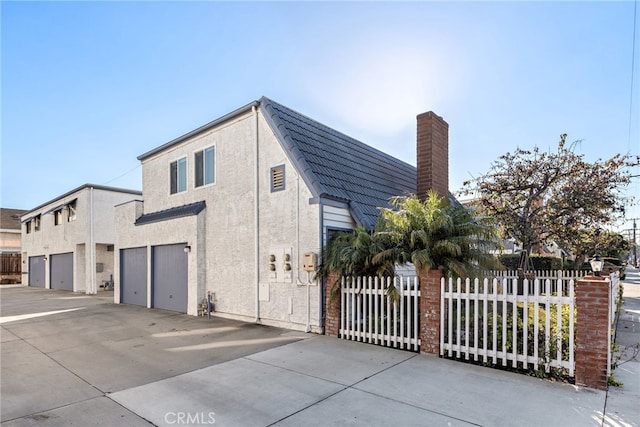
310, 262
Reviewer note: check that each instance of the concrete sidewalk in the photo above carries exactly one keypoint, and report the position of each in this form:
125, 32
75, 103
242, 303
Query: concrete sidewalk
327, 381
623, 403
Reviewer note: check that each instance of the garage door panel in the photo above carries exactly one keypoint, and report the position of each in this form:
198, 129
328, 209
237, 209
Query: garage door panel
36, 271
61, 271
170, 278
133, 276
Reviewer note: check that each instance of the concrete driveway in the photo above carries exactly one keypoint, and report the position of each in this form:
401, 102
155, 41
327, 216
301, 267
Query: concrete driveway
76, 360
62, 353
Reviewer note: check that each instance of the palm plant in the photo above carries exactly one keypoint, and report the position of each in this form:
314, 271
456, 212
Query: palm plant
430, 234
351, 254
434, 233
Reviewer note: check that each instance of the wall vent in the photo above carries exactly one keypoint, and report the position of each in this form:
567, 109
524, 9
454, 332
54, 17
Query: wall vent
277, 178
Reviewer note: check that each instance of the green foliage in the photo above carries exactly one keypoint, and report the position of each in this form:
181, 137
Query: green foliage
435, 234
611, 380
430, 234
505, 337
537, 196
351, 254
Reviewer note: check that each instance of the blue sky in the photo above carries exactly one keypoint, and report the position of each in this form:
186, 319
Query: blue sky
89, 86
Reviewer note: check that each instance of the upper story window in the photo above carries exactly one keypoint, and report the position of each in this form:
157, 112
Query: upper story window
28, 226
57, 217
71, 211
277, 178
205, 165
178, 173
36, 223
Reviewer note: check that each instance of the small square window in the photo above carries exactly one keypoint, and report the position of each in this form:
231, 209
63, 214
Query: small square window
277, 178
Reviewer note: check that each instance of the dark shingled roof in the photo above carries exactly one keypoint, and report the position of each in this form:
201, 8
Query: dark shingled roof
339, 167
333, 165
173, 213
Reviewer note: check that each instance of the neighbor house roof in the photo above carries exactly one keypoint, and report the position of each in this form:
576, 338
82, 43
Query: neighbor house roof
337, 166
82, 187
10, 218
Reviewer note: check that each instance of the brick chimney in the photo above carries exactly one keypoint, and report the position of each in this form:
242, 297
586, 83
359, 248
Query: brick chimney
432, 155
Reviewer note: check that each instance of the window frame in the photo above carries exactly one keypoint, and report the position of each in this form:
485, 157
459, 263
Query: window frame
28, 227
182, 160
37, 223
200, 165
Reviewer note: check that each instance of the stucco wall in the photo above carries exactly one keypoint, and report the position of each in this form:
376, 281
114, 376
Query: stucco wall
176, 231
68, 235
286, 220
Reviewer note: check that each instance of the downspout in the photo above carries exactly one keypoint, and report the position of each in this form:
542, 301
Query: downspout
321, 283
256, 218
299, 282
92, 288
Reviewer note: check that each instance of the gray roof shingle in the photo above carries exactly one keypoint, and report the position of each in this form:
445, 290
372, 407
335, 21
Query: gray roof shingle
337, 166
172, 213
10, 218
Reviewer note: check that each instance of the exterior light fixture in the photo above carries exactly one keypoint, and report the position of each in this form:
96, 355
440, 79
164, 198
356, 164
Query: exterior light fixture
187, 249
596, 265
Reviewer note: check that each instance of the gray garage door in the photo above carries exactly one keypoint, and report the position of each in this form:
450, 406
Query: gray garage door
133, 276
62, 271
169, 281
36, 271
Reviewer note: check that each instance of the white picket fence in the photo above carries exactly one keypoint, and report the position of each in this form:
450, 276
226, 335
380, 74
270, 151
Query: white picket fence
489, 320
369, 314
614, 279
503, 320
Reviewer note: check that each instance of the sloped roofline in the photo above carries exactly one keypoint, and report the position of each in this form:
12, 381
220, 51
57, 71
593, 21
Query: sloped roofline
276, 126
291, 148
82, 187
292, 151
229, 116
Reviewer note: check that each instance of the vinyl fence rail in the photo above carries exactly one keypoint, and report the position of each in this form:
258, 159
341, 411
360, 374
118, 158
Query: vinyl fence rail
527, 324
369, 313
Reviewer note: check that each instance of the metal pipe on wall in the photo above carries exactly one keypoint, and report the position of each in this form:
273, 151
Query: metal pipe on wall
257, 215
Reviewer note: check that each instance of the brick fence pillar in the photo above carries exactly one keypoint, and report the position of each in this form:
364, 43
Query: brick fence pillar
592, 332
430, 311
332, 305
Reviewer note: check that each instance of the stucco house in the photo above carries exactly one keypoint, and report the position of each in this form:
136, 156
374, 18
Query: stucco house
240, 208
68, 242
10, 262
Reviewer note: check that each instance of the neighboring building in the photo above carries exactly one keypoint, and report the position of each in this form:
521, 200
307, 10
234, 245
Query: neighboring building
240, 208
67, 242
10, 259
